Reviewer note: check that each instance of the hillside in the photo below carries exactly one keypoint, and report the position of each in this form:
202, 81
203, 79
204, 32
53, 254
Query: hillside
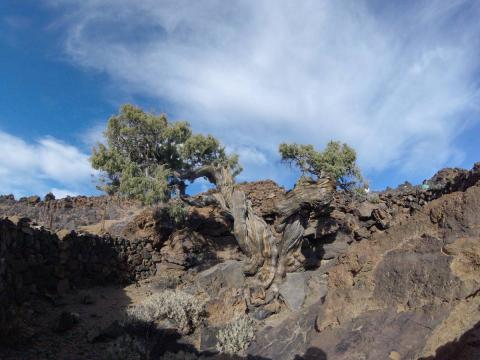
387, 275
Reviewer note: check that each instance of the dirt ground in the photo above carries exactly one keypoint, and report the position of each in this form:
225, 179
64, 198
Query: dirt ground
97, 307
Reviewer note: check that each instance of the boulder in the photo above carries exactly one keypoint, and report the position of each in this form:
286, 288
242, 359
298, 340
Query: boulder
228, 274
99, 334
293, 290
364, 210
187, 248
208, 338
337, 247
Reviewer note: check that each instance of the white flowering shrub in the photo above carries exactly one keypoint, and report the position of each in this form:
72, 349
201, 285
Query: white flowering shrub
236, 336
183, 309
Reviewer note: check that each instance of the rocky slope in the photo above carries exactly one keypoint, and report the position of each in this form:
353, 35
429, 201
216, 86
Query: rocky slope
389, 275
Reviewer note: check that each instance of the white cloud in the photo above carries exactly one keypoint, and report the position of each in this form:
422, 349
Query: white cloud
396, 81
93, 135
32, 168
248, 155
63, 193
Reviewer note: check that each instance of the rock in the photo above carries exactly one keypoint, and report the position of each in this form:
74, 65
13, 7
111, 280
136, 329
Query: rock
364, 210
86, 298
35, 199
165, 266
99, 334
228, 274
337, 247
262, 314
362, 233
208, 338
187, 248
63, 286
382, 218
66, 321
49, 196
224, 306
337, 215
293, 290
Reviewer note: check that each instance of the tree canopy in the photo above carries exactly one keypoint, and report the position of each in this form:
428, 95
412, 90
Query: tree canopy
148, 157
337, 161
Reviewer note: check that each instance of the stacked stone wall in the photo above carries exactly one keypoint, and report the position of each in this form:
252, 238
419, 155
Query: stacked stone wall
35, 262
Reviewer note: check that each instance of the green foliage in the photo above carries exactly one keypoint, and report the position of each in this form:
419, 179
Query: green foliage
177, 212
337, 161
149, 158
373, 198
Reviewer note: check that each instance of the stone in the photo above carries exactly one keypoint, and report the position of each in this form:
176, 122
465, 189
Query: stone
208, 338
262, 314
66, 321
382, 218
362, 233
35, 199
364, 210
228, 274
164, 266
100, 334
293, 290
63, 286
337, 247
86, 298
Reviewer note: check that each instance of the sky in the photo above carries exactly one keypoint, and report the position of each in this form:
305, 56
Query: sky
397, 80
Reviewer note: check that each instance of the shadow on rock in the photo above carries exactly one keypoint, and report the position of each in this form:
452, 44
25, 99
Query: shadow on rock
467, 347
312, 354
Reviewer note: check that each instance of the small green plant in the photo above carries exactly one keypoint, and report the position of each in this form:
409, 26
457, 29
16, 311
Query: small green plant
236, 336
177, 212
373, 198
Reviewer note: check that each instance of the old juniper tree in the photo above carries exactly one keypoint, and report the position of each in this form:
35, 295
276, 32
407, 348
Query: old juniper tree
150, 158
337, 161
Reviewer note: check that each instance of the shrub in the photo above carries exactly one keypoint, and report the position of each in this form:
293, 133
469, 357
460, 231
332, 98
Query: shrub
185, 310
236, 336
373, 198
177, 212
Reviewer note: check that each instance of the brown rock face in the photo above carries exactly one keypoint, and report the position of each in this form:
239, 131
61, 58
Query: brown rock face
410, 292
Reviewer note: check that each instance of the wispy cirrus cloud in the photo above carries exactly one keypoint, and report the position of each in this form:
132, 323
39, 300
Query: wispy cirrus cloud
396, 80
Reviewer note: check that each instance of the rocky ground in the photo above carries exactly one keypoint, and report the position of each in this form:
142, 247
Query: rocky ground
388, 275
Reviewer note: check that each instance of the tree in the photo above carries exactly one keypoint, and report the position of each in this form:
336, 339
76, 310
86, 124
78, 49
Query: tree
149, 158
337, 161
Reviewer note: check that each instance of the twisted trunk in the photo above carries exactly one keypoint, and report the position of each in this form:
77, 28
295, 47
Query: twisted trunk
273, 249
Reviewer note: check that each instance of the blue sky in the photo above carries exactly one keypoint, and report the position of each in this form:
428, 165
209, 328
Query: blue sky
398, 82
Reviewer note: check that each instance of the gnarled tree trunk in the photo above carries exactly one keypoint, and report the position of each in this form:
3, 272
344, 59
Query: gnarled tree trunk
274, 249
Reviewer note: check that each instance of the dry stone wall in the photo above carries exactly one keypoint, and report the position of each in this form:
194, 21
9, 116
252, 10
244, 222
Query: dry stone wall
36, 262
